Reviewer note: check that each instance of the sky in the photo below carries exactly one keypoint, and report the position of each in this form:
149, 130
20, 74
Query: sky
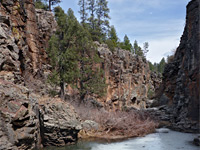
158, 22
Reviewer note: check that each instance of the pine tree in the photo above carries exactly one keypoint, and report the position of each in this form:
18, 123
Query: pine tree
113, 35
73, 57
40, 4
151, 66
145, 48
126, 44
137, 50
83, 11
62, 50
91, 79
92, 9
161, 65
102, 12
52, 2
112, 40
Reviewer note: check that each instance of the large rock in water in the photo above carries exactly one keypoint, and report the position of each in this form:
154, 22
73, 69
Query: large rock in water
181, 77
59, 123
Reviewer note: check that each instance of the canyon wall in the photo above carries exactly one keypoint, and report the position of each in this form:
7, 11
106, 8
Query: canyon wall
25, 32
129, 80
181, 77
29, 119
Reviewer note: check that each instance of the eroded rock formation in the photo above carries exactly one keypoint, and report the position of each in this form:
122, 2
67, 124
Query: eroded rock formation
128, 78
181, 77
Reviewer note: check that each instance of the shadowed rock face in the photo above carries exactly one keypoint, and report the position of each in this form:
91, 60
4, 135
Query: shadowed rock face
181, 78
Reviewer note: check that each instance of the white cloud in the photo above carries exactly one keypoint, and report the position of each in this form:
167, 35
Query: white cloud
160, 48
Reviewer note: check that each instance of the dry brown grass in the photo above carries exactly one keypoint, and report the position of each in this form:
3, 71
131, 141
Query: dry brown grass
119, 124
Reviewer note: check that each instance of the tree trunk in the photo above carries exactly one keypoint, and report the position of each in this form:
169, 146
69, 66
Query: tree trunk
50, 5
62, 90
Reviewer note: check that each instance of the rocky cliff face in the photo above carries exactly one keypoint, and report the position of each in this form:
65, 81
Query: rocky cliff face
181, 77
18, 117
128, 78
27, 120
24, 32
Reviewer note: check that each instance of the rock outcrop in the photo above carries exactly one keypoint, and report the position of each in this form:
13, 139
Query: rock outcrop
59, 122
181, 77
28, 121
128, 78
19, 124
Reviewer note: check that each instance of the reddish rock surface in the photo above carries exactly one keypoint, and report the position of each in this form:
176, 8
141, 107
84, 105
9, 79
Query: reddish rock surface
25, 32
128, 77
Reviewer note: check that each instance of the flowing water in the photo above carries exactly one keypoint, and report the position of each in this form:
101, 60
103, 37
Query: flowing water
163, 139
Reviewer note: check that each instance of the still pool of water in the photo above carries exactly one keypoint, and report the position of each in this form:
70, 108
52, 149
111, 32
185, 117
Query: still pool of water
171, 140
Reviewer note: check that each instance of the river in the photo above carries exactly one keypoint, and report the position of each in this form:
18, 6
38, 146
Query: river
163, 139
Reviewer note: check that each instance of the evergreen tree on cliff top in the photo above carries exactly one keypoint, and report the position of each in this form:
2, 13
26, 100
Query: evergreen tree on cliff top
137, 50
51, 3
102, 12
112, 40
83, 11
40, 4
126, 44
73, 57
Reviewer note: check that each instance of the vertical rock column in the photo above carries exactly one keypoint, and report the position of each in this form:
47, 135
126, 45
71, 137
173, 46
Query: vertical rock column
32, 33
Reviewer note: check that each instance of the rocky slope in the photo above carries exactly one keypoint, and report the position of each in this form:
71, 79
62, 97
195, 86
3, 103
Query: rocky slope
181, 78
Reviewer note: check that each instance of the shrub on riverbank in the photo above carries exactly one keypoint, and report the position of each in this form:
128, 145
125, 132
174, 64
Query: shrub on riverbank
116, 124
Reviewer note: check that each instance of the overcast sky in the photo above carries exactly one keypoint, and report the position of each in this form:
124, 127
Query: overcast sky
159, 22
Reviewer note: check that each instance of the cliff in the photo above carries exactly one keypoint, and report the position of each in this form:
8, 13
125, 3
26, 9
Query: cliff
128, 78
25, 32
28, 117
181, 77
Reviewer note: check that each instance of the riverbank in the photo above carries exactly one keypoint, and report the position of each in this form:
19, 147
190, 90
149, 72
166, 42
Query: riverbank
172, 140
114, 125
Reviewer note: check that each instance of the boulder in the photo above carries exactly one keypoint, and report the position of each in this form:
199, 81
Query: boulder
196, 141
89, 125
59, 122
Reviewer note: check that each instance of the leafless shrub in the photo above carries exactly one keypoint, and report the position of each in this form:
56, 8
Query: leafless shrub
118, 123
